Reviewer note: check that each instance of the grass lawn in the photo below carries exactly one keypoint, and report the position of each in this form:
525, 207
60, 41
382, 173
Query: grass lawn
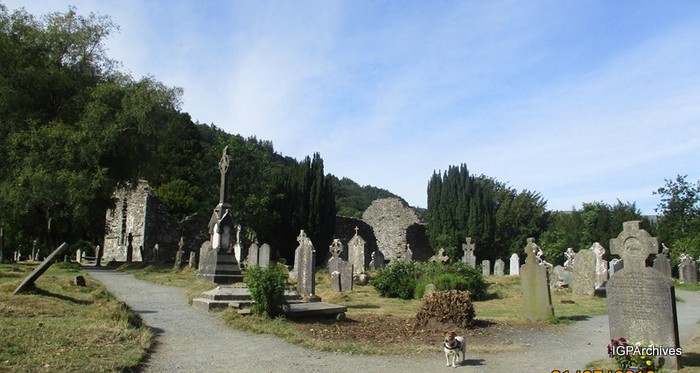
61, 327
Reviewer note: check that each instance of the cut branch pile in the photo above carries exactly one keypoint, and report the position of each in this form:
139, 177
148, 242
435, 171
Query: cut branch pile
447, 307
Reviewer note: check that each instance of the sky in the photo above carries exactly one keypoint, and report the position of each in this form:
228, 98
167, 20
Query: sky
581, 101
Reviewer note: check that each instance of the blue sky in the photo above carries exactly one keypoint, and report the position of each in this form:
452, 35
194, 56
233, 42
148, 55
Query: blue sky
581, 101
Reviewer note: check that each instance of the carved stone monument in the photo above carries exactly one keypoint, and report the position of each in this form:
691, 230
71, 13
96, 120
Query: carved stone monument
514, 265
377, 261
486, 267
498, 267
661, 262
305, 266
614, 265
356, 252
688, 270
341, 271
193, 260
534, 280
584, 275
641, 300
220, 265
570, 254
180, 252
468, 248
28, 281
440, 257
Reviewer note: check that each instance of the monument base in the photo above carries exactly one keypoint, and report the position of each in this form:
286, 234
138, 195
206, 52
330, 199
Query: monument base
220, 268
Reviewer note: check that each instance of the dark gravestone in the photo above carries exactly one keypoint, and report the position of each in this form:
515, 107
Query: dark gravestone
29, 280
584, 276
130, 248
79, 281
688, 270
662, 264
641, 300
534, 280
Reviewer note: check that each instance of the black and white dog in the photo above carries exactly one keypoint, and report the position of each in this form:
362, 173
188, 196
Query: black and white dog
453, 346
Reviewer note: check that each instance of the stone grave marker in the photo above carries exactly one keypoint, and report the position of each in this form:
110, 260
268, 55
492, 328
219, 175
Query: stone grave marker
569, 254
661, 262
340, 270
641, 300
264, 255
614, 265
498, 267
305, 267
193, 260
468, 248
688, 270
584, 276
237, 245
561, 277
356, 252
514, 265
601, 265
537, 299
429, 289
78, 256
440, 257
377, 261
253, 254
180, 252
486, 267
39, 270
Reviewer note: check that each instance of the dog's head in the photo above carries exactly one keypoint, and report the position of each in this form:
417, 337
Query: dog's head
450, 337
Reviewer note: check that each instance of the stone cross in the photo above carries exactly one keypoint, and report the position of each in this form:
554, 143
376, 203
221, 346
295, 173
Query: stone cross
601, 265
224, 169
641, 300
534, 281
661, 262
468, 248
341, 271
569, 254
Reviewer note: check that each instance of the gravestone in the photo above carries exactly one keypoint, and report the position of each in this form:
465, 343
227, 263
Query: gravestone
498, 267
35, 255
253, 254
220, 266
237, 245
688, 270
305, 255
468, 248
356, 252
440, 257
514, 265
641, 300
193, 260
534, 280
340, 270
264, 255
569, 254
180, 252
486, 267
661, 262
429, 289
614, 265
78, 256
584, 276
98, 256
39, 270
561, 277
601, 265
377, 261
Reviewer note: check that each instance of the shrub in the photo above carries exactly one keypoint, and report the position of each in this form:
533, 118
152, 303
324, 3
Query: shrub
266, 286
447, 307
455, 276
397, 280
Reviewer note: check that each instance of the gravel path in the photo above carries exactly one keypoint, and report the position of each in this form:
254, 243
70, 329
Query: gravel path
190, 340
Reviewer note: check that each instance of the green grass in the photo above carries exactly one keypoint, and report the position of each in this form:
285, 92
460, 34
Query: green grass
59, 326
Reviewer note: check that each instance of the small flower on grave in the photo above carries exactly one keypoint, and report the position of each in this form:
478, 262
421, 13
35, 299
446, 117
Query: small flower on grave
631, 356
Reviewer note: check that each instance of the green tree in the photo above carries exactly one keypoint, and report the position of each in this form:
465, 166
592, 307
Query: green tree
679, 223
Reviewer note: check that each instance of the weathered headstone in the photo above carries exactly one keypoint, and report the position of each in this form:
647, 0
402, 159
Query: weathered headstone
341, 269
356, 252
514, 265
440, 257
561, 277
614, 266
688, 270
661, 262
306, 255
468, 248
584, 276
429, 289
498, 267
38, 271
601, 265
641, 300
486, 267
180, 252
220, 265
78, 256
377, 261
193, 260
34, 253
98, 255
537, 299
264, 255
253, 254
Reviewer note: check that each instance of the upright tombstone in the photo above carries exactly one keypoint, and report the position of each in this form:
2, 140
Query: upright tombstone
601, 265
98, 255
264, 255
253, 254
534, 280
614, 265
486, 267
221, 266
661, 262
641, 300
688, 270
193, 260
180, 252
498, 267
305, 265
377, 261
468, 248
341, 271
514, 265
356, 252
584, 275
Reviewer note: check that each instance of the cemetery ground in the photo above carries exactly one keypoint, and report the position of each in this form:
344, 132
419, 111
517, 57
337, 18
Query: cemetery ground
69, 328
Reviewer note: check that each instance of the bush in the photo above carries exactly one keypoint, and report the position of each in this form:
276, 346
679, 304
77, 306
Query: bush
447, 307
455, 276
397, 280
266, 286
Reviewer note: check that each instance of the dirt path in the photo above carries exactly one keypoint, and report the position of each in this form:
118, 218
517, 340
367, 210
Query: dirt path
189, 340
